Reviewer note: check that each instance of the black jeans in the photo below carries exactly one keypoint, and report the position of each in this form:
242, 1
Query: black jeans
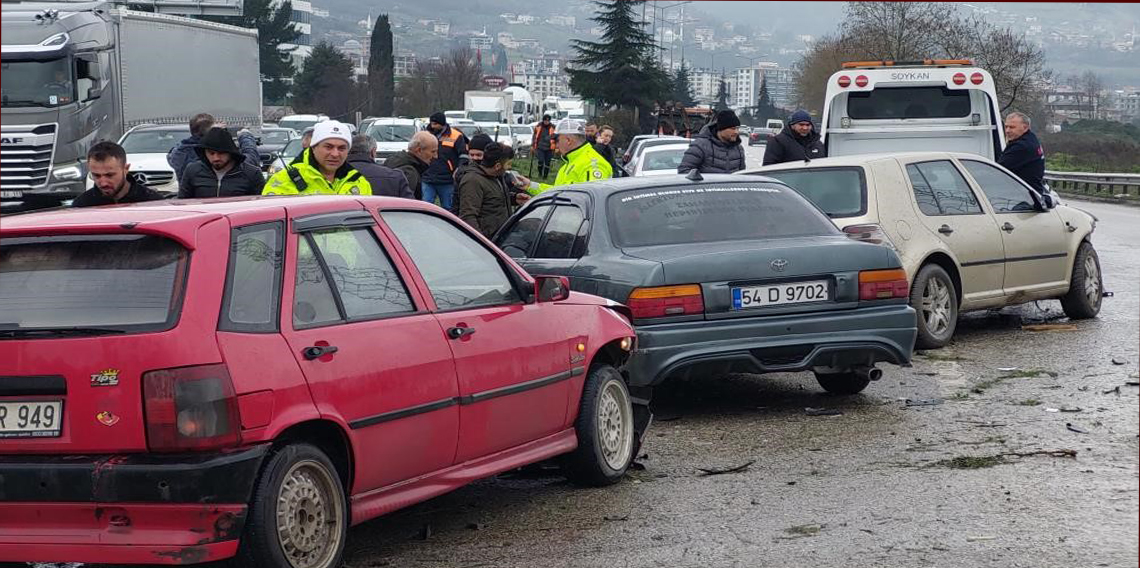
544, 156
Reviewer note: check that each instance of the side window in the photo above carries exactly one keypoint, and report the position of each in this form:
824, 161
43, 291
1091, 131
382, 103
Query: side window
950, 190
557, 239
343, 274
253, 279
457, 269
923, 194
519, 239
1006, 194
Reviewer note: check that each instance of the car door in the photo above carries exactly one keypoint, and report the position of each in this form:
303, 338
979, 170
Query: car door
1036, 242
950, 211
370, 349
557, 244
512, 356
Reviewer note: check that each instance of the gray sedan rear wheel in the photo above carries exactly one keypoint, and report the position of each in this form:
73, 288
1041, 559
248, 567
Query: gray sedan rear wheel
934, 298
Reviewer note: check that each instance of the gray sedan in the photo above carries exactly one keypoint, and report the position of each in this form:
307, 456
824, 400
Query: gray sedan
723, 274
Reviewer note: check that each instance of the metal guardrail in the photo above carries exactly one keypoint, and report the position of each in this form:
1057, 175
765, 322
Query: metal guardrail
1102, 184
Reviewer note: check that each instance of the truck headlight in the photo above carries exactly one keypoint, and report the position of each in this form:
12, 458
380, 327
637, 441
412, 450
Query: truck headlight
69, 173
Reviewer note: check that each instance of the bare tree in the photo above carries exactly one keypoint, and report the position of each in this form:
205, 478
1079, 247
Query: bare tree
415, 94
899, 31
1089, 85
458, 73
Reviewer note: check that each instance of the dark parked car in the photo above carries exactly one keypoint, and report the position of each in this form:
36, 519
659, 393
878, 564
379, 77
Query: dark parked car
723, 274
272, 141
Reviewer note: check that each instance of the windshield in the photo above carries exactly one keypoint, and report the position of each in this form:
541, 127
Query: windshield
291, 150
107, 281
275, 136
710, 213
392, 132
484, 115
37, 83
299, 124
665, 159
520, 107
839, 192
153, 141
522, 131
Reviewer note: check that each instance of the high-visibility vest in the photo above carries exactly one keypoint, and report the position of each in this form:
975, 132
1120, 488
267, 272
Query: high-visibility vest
448, 140
538, 134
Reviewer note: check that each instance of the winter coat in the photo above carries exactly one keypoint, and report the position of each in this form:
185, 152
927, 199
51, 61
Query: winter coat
347, 181
1026, 159
452, 146
485, 201
711, 155
787, 146
136, 194
200, 180
384, 180
582, 164
186, 152
607, 151
412, 167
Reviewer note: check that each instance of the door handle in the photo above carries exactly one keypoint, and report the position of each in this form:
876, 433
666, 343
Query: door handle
459, 332
318, 351
945, 229
1007, 227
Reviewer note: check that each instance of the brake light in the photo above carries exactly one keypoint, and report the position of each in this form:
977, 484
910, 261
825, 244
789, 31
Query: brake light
861, 81
661, 301
977, 78
190, 408
883, 284
959, 78
844, 81
869, 233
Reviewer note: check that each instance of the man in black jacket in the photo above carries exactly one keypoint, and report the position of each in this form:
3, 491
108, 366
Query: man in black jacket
486, 198
439, 179
107, 164
413, 162
384, 180
716, 149
798, 141
1023, 154
222, 171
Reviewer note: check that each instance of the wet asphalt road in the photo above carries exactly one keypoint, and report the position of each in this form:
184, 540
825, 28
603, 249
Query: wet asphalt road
874, 486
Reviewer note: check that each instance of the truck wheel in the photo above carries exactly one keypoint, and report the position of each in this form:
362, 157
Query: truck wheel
933, 297
1086, 289
842, 383
605, 430
299, 516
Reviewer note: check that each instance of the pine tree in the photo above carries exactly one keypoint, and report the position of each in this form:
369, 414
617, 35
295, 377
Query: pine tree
682, 86
273, 29
381, 69
764, 107
325, 84
721, 95
620, 69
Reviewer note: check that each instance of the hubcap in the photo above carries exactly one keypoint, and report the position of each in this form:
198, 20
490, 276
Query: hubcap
615, 426
1092, 280
309, 516
936, 306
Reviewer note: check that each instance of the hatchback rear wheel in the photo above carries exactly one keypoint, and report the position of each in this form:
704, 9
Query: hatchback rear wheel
299, 514
605, 430
1086, 290
934, 298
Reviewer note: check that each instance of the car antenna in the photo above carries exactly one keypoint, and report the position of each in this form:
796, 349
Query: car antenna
694, 175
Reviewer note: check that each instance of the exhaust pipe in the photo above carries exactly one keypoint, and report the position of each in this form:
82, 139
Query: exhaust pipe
868, 373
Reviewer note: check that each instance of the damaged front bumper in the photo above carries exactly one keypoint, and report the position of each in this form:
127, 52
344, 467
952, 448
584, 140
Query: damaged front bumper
145, 508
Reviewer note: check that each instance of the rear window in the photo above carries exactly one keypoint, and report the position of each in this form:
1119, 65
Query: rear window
709, 213
124, 282
909, 102
839, 192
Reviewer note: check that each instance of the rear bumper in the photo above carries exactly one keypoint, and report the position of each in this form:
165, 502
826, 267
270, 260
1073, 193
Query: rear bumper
864, 336
145, 508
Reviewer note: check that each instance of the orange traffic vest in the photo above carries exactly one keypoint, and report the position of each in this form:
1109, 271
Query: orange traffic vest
538, 134
448, 140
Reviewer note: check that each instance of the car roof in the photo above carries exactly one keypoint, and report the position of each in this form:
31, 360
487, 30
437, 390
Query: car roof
661, 147
865, 159
178, 127
613, 185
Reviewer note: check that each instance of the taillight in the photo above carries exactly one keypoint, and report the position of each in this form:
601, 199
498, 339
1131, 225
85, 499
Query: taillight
868, 233
844, 81
861, 81
977, 78
661, 301
959, 78
883, 284
190, 408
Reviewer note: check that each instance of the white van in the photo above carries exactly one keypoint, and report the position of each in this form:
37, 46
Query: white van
931, 105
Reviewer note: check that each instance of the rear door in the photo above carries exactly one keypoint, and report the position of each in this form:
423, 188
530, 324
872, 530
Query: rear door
512, 358
372, 353
554, 246
952, 213
1036, 242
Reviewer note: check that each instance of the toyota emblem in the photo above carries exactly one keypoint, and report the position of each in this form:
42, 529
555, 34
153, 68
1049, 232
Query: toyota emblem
778, 265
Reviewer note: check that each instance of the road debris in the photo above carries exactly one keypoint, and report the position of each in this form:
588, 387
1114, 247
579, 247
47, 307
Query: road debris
1050, 327
1115, 390
799, 531
1071, 409
705, 472
615, 518
1119, 361
1076, 429
822, 411
923, 402
980, 538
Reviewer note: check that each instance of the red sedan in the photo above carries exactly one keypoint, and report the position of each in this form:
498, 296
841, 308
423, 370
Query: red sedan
182, 382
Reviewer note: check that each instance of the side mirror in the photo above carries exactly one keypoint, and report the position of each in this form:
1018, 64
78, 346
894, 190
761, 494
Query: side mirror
93, 93
551, 288
87, 67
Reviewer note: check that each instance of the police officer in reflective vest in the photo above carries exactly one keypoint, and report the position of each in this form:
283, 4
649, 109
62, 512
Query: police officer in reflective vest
322, 168
583, 162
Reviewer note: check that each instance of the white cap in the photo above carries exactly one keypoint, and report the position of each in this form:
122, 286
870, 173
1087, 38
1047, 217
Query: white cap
331, 129
570, 126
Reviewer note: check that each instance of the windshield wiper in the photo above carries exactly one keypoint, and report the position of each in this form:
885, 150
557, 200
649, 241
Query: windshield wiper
10, 102
7, 331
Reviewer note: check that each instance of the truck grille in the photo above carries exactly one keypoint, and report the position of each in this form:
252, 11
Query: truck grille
25, 155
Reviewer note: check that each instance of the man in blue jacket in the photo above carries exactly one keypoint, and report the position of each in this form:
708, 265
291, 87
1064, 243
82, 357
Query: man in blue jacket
1023, 154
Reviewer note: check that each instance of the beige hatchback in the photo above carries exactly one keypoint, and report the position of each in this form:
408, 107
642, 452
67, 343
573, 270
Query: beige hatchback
970, 234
